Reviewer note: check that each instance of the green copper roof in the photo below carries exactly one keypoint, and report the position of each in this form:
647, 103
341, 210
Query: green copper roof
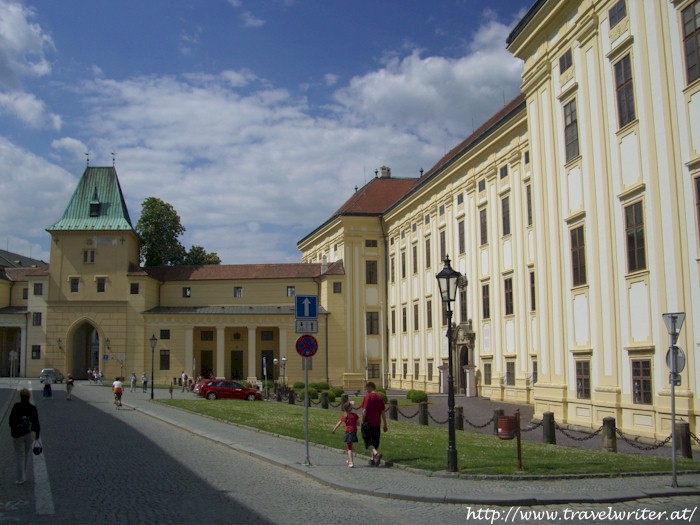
96, 204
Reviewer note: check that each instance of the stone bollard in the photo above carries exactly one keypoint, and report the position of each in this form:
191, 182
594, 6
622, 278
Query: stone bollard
423, 414
609, 435
459, 418
394, 409
279, 395
549, 429
343, 399
291, 397
496, 414
683, 447
324, 400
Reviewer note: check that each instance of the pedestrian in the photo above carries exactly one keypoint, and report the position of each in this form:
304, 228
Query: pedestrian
89, 374
133, 381
118, 389
373, 415
24, 419
48, 393
144, 381
183, 379
69, 387
350, 420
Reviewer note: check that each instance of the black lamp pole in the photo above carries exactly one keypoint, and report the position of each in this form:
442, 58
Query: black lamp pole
153, 342
447, 280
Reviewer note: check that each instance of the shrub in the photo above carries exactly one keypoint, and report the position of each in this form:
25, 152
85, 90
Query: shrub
313, 393
298, 385
319, 386
331, 396
417, 396
337, 391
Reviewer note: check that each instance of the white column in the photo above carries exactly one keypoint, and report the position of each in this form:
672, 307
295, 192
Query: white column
189, 353
251, 354
220, 335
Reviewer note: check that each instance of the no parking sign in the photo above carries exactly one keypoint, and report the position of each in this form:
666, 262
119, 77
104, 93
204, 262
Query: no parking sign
307, 346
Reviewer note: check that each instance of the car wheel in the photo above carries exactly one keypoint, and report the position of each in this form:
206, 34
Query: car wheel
211, 395
251, 397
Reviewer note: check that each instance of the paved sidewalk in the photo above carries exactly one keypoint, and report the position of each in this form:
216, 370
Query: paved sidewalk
327, 465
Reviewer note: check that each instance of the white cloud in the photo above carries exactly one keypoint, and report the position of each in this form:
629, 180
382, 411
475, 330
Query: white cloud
74, 147
330, 79
23, 45
250, 20
29, 110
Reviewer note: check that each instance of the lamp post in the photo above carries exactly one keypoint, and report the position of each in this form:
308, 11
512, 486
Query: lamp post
673, 322
447, 281
284, 364
153, 342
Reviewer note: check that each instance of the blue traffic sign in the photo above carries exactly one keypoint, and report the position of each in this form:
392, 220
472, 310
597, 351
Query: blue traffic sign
306, 307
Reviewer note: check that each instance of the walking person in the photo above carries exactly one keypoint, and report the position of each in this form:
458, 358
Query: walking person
24, 428
133, 381
144, 382
48, 393
350, 420
373, 415
69, 387
183, 380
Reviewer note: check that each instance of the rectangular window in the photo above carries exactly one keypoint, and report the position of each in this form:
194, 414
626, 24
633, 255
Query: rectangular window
416, 370
534, 371
25, 293
528, 203
373, 370
641, 381
134, 288
443, 245
291, 291
372, 323
441, 209
625, 91
238, 291
165, 359
415, 317
503, 172
88, 256
426, 219
482, 185
483, 226
101, 283
505, 214
403, 320
510, 373
393, 369
38, 288
165, 334
414, 227
206, 335
403, 264
508, 295
370, 243
427, 248
186, 291
691, 41
526, 156
74, 284
392, 269
267, 335
444, 314
533, 304
617, 13
36, 319
571, 130
414, 259
429, 313
36, 351
697, 203
565, 61
405, 370
634, 232
337, 287
485, 302
487, 373
462, 305
460, 198
460, 237
430, 371
393, 321
578, 257
583, 379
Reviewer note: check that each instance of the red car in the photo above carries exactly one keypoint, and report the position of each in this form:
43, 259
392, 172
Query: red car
227, 389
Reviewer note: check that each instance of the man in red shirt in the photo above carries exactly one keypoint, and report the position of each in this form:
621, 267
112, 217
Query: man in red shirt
373, 415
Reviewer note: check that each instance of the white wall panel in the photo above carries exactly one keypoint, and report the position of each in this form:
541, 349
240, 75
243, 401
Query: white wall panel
639, 312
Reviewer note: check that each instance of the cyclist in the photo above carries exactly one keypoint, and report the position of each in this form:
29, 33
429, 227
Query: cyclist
118, 389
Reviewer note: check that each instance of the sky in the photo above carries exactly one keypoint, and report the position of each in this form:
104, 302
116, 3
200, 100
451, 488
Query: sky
255, 119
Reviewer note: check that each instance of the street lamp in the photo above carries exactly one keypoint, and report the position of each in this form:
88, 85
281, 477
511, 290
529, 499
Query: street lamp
447, 281
153, 342
674, 322
284, 364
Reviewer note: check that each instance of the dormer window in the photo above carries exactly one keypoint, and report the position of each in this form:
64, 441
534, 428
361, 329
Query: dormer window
94, 209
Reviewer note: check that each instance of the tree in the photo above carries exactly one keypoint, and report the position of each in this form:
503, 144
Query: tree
198, 255
159, 227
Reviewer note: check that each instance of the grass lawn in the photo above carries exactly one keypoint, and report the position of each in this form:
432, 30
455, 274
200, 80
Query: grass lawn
425, 447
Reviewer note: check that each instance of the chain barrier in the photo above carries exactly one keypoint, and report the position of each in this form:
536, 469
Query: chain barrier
335, 405
571, 436
636, 445
436, 421
693, 436
473, 425
533, 427
315, 402
404, 415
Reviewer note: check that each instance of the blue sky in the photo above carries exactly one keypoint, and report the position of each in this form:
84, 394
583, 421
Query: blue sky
254, 119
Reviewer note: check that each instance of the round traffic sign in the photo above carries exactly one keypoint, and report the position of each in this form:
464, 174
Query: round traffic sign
307, 346
680, 359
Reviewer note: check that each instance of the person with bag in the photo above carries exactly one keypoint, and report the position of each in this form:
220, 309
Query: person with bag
24, 428
373, 414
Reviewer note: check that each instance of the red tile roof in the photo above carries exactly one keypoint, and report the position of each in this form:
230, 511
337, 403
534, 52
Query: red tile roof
21, 274
215, 272
376, 196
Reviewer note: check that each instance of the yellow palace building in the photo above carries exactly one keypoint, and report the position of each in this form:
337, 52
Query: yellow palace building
573, 215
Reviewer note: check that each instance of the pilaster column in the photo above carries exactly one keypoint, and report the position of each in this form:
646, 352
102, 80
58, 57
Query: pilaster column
251, 353
220, 336
189, 353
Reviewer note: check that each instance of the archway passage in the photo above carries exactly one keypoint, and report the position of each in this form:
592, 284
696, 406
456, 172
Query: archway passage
84, 351
463, 361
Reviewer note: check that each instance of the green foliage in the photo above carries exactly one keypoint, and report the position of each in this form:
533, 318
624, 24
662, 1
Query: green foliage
198, 255
159, 226
299, 385
331, 396
313, 393
319, 386
417, 396
337, 391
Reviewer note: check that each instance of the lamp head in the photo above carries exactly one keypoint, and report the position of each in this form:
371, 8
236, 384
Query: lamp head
447, 281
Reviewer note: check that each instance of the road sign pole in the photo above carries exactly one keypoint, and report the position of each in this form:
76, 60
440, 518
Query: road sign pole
307, 461
674, 481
